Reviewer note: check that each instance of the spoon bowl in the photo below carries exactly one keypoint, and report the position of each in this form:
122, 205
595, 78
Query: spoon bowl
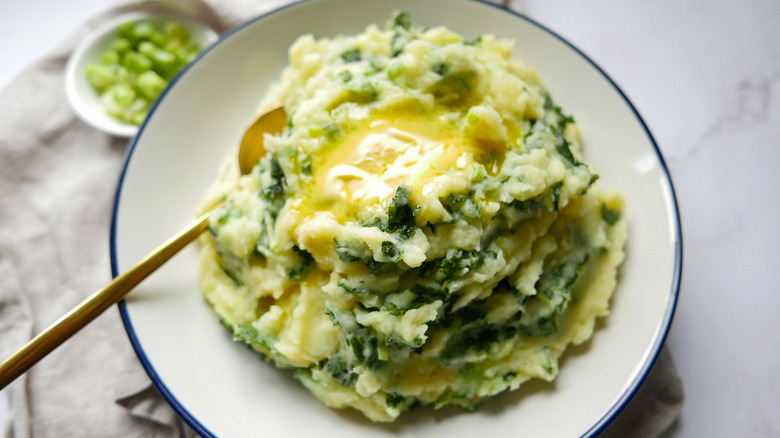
252, 145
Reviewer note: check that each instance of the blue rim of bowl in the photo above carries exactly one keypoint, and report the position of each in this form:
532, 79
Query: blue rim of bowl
599, 426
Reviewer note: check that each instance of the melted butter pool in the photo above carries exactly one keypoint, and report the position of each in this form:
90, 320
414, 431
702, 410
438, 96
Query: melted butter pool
364, 168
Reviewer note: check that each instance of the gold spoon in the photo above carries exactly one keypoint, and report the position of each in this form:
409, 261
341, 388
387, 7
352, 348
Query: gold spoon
251, 151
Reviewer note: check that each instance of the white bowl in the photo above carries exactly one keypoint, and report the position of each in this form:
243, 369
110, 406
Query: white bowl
221, 388
84, 100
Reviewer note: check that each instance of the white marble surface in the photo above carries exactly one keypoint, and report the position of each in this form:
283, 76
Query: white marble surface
705, 75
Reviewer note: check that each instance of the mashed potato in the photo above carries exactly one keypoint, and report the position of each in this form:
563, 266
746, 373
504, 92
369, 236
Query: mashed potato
424, 231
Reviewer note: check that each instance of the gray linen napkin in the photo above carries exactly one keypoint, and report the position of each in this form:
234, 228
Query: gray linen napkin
57, 183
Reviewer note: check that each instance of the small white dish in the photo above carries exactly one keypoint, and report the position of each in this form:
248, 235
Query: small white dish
84, 100
221, 388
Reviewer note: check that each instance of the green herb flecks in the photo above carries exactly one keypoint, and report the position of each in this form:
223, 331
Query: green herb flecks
391, 251
353, 251
462, 207
475, 42
401, 20
398, 44
338, 367
363, 341
422, 295
400, 215
459, 262
352, 55
554, 294
477, 336
349, 253
610, 216
529, 207
247, 334
556, 195
276, 192
441, 68
557, 123
360, 92
393, 399
301, 271
357, 289
455, 87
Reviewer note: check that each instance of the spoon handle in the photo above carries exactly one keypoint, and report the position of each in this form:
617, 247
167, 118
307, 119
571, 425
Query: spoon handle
89, 309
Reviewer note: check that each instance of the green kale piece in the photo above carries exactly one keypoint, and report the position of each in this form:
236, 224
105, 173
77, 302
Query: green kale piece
400, 215
427, 294
300, 272
477, 336
558, 129
610, 216
529, 207
554, 288
379, 268
559, 281
247, 334
306, 168
460, 206
359, 290
393, 399
276, 192
397, 44
391, 251
401, 20
365, 347
472, 332
542, 326
352, 55
338, 366
345, 76
363, 341
230, 267
349, 252
455, 87
562, 145
458, 262
475, 42
556, 195
359, 91
550, 199
362, 92
441, 68
424, 295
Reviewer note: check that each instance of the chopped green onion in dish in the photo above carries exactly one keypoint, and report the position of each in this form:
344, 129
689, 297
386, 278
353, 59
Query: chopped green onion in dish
138, 65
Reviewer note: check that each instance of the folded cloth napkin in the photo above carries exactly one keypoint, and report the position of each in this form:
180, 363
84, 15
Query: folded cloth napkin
57, 183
